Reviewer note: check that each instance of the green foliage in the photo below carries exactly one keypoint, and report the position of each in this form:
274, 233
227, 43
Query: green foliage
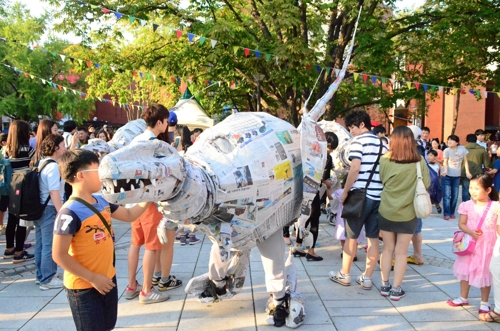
449, 42
23, 97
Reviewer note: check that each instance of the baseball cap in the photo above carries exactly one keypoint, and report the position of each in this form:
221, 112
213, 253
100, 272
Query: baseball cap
172, 119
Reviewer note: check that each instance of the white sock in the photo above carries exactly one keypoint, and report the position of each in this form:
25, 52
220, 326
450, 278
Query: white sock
484, 305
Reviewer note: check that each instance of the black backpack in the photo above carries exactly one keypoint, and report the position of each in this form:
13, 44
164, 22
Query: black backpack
24, 199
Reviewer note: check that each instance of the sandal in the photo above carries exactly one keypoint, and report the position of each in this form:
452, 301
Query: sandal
411, 260
489, 317
458, 302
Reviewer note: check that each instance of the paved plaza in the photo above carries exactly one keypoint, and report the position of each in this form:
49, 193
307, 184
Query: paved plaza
329, 306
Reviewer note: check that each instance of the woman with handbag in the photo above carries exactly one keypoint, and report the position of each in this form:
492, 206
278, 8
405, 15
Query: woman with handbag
478, 219
399, 172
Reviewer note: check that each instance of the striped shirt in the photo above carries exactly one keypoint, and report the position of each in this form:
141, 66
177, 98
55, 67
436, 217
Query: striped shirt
22, 162
365, 147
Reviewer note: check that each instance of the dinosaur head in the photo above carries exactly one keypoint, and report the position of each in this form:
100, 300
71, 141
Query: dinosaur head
144, 171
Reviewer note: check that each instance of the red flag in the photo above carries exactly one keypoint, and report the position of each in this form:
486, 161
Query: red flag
178, 33
172, 79
308, 66
89, 64
417, 85
26, 74
365, 77
106, 10
134, 73
60, 87
247, 51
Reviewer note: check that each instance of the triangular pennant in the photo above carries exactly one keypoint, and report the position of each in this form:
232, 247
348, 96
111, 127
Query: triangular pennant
190, 37
26, 74
105, 67
308, 66
257, 54
328, 69
392, 81
433, 88
60, 87
471, 91
131, 19
141, 74
425, 86
72, 60
318, 68
83, 95
63, 57
365, 77
53, 54
455, 90
97, 65
134, 72
44, 81
172, 79
440, 89
143, 22
80, 61
498, 93
148, 76
106, 10
478, 93
202, 40
268, 57
276, 60
246, 51
65, 89
54, 86
485, 94
235, 49
409, 85
32, 77
94, 6
383, 79
213, 43
417, 85
178, 33
89, 64
74, 91
374, 79
118, 15
112, 68
355, 75
155, 27
154, 77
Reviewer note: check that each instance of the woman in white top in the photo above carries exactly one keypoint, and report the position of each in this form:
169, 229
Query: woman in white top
51, 186
454, 155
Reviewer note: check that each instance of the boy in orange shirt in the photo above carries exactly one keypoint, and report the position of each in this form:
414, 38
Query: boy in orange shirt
83, 243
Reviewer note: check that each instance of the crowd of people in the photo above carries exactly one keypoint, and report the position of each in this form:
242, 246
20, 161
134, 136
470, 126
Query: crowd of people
384, 168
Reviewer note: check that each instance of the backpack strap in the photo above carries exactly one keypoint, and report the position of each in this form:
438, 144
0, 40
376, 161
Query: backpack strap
39, 170
103, 220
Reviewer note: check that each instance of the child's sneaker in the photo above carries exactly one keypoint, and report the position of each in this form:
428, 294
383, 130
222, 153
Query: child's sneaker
340, 278
183, 240
366, 283
332, 219
152, 297
131, 293
55, 283
385, 290
24, 256
396, 295
170, 284
193, 240
155, 280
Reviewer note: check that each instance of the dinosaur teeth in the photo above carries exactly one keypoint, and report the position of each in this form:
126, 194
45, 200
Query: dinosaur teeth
153, 181
137, 181
132, 187
141, 184
122, 189
128, 180
115, 182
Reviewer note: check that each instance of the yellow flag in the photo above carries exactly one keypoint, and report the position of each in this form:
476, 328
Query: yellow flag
455, 90
498, 93
409, 85
235, 49
356, 75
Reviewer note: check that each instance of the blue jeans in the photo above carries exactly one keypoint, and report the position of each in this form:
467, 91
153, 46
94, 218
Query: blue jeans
450, 198
93, 311
46, 268
465, 189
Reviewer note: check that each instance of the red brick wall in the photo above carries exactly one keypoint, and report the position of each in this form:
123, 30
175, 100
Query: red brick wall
434, 118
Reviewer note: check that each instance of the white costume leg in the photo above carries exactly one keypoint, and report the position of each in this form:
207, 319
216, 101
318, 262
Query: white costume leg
272, 251
217, 270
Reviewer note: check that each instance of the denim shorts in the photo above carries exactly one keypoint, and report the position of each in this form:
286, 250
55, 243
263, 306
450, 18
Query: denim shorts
93, 311
419, 226
354, 226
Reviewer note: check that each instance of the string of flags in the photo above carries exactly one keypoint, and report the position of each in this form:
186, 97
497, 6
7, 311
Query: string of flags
66, 89
258, 54
135, 73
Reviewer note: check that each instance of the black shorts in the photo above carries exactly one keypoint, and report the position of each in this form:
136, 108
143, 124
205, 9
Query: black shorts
407, 227
369, 220
4, 203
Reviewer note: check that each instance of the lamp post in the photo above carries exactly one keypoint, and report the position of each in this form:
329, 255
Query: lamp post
259, 78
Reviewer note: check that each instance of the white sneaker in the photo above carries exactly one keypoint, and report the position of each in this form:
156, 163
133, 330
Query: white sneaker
54, 283
366, 283
153, 296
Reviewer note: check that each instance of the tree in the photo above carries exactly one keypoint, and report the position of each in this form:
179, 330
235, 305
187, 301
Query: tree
24, 97
299, 34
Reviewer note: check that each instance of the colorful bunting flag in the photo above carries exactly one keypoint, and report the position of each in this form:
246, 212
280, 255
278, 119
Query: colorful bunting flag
63, 57
409, 85
143, 22
178, 33
268, 57
246, 51
257, 54
235, 49
89, 64
374, 79
365, 77
131, 19
417, 85
190, 37
355, 75
213, 43
155, 26
118, 15
318, 68
202, 40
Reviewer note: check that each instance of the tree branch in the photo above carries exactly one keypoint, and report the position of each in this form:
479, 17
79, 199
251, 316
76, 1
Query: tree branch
256, 16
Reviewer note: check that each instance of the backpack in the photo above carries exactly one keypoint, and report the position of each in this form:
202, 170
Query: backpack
24, 199
5, 176
435, 189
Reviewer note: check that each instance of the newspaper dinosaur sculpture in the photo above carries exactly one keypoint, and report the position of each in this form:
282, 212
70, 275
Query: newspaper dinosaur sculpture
240, 183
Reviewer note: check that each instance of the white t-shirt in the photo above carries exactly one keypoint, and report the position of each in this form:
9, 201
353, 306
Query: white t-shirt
145, 136
50, 180
455, 159
68, 137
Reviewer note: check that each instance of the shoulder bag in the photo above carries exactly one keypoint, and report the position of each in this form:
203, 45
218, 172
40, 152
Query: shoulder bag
463, 243
422, 201
354, 205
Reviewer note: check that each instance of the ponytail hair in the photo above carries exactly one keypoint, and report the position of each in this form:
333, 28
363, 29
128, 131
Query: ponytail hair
486, 182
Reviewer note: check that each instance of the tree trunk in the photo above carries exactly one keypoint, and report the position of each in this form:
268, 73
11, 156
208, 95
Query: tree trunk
455, 118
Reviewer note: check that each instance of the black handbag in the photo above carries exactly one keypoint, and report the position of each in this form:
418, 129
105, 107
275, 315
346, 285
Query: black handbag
354, 204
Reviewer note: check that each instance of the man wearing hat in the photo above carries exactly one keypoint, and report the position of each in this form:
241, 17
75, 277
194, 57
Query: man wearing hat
172, 123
